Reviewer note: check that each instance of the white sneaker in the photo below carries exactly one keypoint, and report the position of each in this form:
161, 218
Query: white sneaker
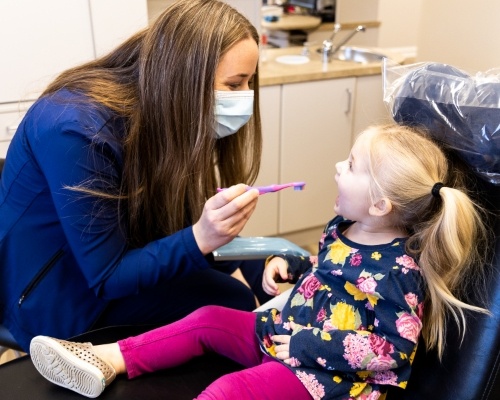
71, 365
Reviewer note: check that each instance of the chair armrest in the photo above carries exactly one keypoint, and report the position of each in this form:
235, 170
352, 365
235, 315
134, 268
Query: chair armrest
254, 248
278, 302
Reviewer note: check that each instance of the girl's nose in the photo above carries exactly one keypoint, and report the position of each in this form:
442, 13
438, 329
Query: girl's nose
339, 166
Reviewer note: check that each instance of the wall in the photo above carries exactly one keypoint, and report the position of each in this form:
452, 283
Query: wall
399, 20
128, 16
461, 33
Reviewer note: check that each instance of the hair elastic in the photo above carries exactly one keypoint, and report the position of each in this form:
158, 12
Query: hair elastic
436, 188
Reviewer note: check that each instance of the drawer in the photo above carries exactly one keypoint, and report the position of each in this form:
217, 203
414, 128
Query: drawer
11, 115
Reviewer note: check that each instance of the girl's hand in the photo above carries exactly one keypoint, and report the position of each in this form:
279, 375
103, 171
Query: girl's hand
224, 216
282, 344
275, 269
282, 347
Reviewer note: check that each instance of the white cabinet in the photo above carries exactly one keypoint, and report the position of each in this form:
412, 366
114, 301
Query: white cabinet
40, 39
307, 129
316, 130
264, 220
369, 106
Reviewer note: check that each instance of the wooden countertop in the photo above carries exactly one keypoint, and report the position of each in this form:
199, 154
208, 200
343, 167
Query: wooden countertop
347, 26
290, 22
272, 72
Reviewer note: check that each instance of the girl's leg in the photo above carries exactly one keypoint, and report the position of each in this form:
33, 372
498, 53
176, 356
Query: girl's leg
269, 380
226, 331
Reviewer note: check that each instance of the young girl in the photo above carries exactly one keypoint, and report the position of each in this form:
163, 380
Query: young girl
404, 237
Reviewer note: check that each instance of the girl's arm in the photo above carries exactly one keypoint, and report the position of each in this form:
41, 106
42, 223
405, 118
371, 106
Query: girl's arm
284, 268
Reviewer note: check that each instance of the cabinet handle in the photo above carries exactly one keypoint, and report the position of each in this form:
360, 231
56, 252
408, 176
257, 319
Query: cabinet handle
349, 99
11, 129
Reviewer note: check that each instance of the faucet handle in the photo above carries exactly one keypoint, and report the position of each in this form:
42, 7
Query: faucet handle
336, 29
306, 48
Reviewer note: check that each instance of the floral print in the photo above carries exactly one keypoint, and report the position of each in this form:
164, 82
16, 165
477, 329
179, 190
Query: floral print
316, 390
344, 317
409, 326
356, 313
338, 252
365, 287
407, 262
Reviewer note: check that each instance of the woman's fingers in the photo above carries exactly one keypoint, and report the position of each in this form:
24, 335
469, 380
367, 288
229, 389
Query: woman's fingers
224, 216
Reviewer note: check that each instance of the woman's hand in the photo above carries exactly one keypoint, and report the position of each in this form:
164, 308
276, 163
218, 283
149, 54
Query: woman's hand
224, 216
275, 269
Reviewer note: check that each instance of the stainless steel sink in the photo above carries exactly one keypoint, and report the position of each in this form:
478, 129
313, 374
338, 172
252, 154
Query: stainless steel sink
359, 55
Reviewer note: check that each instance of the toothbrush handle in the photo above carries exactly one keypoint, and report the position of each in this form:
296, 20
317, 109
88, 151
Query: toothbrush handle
261, 189
271, 188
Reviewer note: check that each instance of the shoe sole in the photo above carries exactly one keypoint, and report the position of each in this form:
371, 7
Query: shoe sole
63, 368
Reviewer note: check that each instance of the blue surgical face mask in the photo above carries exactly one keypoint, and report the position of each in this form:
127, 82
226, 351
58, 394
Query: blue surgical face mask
232, 111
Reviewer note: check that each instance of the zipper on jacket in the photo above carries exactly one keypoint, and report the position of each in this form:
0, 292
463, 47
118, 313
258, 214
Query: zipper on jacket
38, 277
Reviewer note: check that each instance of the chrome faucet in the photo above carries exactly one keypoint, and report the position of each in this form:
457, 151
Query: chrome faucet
328, 49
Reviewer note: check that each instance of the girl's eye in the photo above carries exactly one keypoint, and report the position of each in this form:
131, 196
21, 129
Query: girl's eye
350, 164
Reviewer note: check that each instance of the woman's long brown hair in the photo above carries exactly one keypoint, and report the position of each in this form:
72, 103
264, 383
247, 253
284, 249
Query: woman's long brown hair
162, 81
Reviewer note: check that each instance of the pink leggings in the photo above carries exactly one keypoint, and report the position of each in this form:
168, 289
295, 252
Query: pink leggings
225, 331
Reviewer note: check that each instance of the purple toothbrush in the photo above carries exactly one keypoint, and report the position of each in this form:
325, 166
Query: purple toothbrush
274, 188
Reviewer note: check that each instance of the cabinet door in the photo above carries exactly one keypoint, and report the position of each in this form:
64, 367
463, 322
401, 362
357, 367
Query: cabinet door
39, 40
369, 106
264, 221
316, 133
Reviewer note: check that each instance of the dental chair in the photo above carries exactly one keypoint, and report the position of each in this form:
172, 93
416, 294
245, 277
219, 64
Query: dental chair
469, 370
462, 113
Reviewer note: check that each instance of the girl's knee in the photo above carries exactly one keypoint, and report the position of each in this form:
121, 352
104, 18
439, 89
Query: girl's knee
226, 387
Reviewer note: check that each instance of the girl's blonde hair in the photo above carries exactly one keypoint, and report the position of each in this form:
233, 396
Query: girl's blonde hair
161, 81
446, 229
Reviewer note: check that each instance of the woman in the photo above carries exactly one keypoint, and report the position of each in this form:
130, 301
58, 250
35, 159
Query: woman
103, 205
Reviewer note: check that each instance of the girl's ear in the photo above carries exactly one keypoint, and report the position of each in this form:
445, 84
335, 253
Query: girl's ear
381, 207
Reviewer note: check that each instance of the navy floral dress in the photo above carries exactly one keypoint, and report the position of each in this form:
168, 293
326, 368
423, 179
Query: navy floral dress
357, 311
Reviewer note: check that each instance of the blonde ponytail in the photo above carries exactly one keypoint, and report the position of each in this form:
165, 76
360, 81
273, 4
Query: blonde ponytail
449, 255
